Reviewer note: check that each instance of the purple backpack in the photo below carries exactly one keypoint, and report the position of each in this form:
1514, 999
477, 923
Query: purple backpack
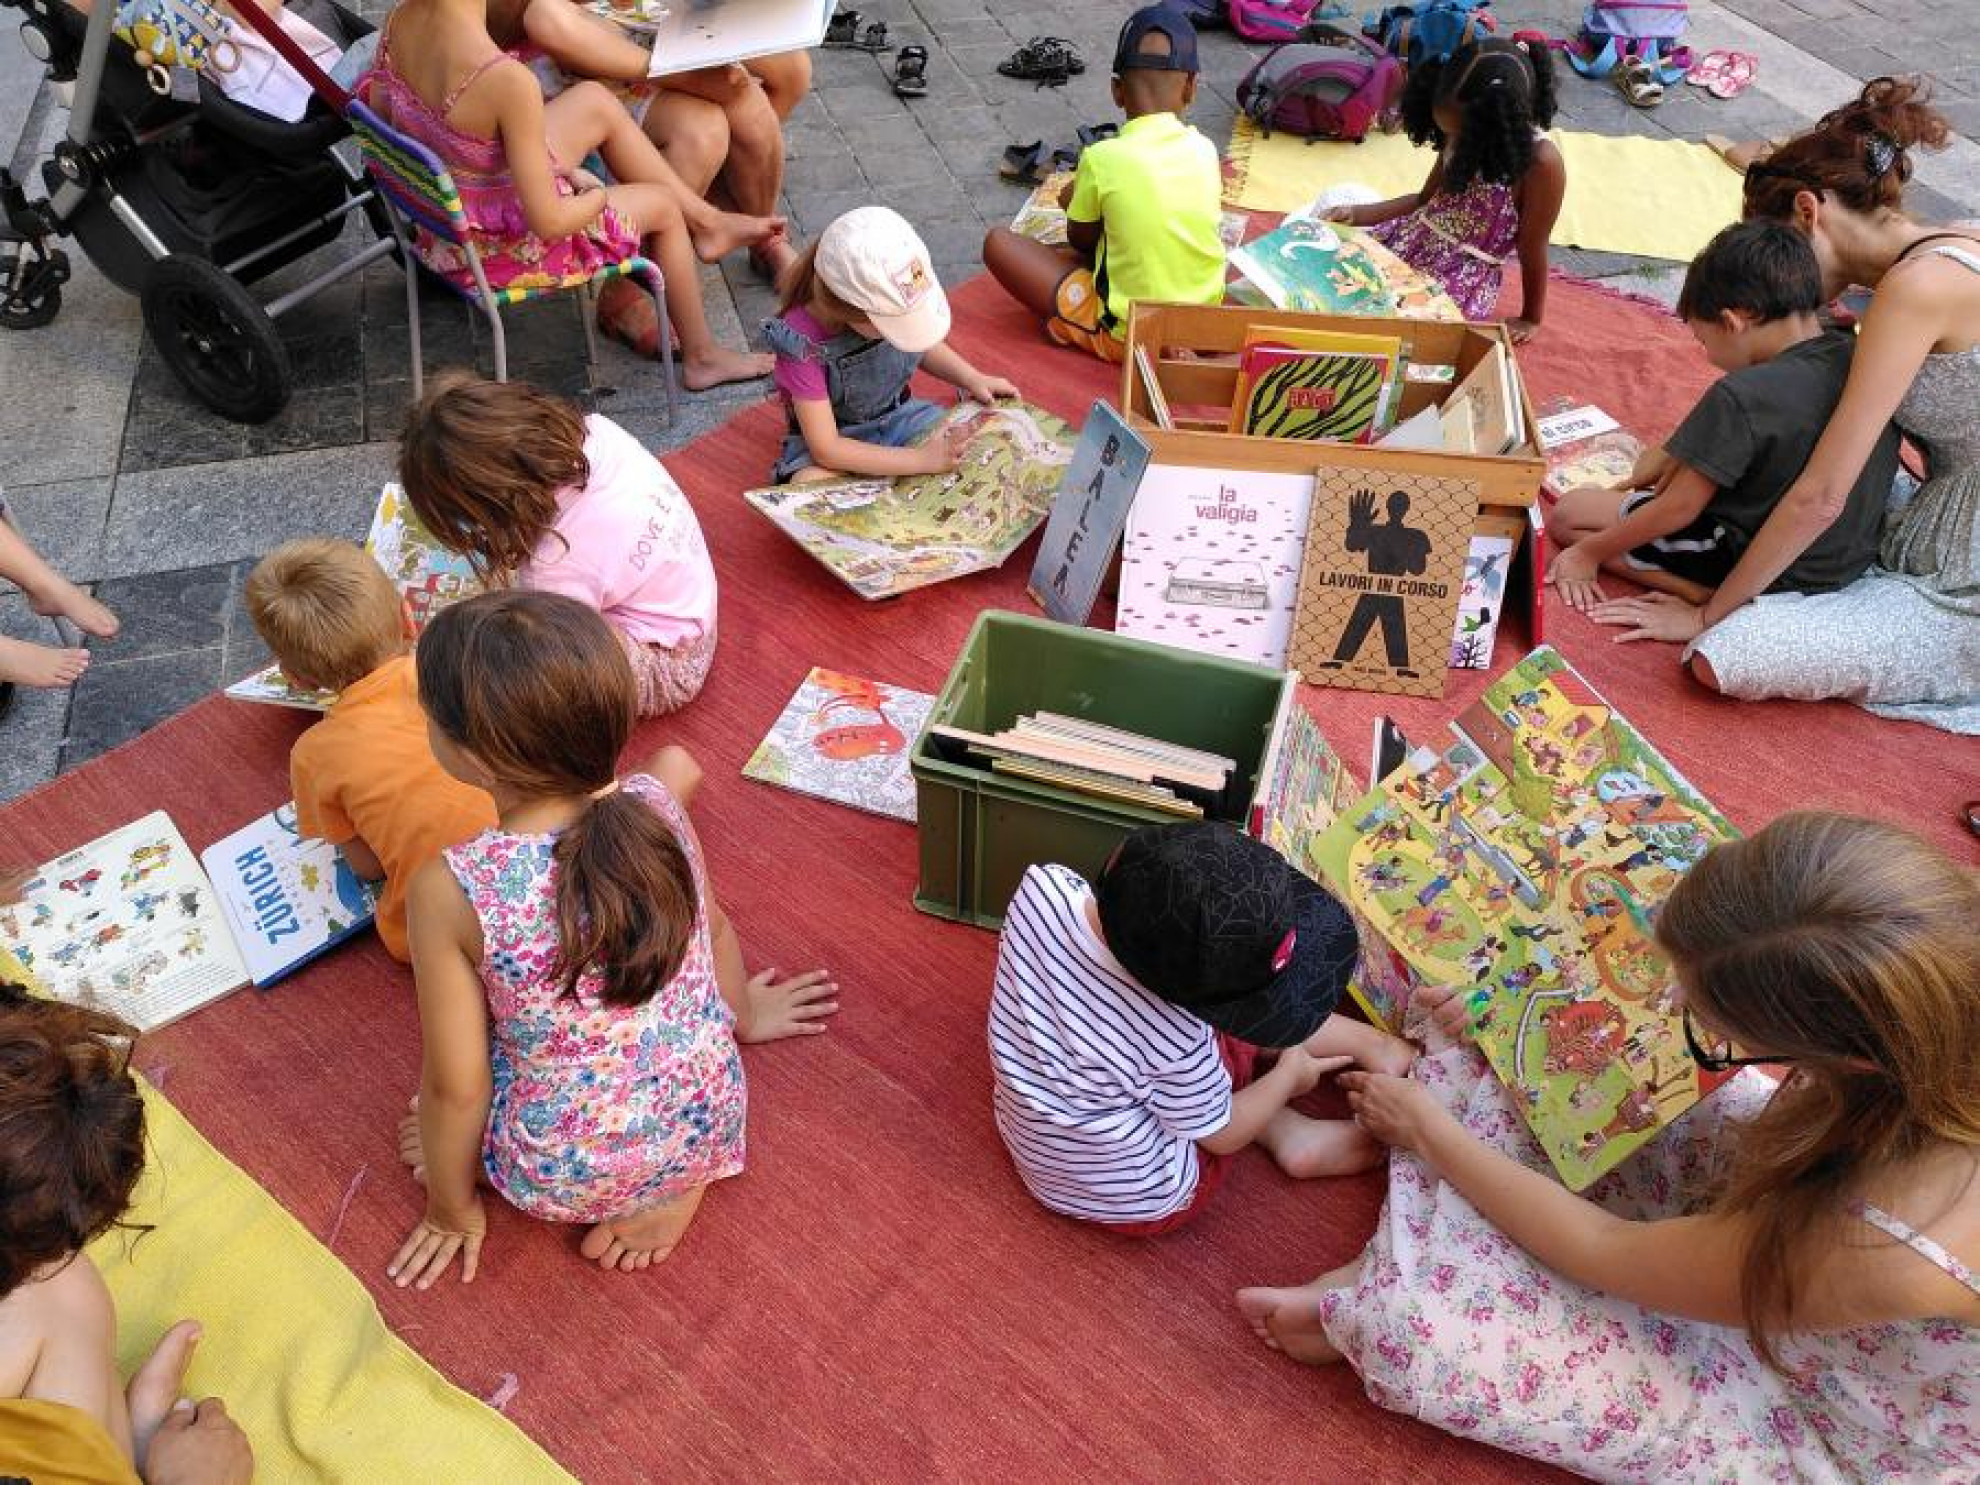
1615, 30
1271, 20
1320, 92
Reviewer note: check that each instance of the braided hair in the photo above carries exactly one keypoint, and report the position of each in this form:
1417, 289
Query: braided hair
1504, 91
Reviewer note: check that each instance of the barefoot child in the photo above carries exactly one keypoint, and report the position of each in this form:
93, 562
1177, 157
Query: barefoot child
541, 496
1496, 187
581, 994
861, 311
71, 1151
364, 778
1126, 1020
1751, 300
52, 596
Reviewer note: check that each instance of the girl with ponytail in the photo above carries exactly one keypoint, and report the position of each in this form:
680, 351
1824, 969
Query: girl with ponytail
1785, 1285
580, 992
1496, 187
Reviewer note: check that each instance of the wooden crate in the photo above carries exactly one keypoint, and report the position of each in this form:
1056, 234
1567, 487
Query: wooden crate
1206, 379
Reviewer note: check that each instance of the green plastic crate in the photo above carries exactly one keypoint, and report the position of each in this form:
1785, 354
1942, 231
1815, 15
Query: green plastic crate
980, 831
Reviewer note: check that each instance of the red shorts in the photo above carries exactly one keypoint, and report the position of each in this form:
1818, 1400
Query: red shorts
1240, 1059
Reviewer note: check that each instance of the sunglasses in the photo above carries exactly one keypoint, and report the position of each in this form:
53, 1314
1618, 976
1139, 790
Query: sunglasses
1716, 1055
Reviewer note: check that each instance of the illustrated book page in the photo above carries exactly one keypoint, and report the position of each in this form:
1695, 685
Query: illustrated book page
127, 924
1482, 600
845, 739
286, 897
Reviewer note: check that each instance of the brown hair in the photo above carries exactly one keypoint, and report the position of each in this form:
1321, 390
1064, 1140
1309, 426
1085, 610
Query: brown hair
538, 688
71, 1130
1859, 153
325, 610
1849, 949
800, 287
482, 463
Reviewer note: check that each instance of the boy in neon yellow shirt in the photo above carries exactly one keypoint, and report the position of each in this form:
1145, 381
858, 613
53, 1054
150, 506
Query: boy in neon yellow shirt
1142, 211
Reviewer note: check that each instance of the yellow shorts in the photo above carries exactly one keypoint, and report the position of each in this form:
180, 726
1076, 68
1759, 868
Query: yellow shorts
1079, 318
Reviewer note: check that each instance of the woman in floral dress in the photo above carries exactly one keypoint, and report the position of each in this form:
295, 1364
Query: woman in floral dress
1780, 1288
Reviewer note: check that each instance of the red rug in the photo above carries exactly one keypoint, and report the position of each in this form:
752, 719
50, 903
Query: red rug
877, 1296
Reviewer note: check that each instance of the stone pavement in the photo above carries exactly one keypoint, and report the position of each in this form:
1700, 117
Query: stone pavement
129, 486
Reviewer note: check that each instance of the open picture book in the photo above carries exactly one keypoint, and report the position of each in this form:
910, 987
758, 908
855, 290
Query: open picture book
689, 35
845, 739
286, 898
1526, 863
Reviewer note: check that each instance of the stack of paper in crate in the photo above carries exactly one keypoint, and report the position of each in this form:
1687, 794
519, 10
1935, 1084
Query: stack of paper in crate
1106, 762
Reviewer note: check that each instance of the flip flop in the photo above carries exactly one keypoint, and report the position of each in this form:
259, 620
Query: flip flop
911, 72
1637, 81
1708, 69
1741, 69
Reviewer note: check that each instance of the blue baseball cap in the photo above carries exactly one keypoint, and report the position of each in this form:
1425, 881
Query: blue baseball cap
1152, 19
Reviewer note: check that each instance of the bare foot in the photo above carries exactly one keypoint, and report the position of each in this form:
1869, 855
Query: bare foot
41, 665
1288, 1320
157, 1384
412, 1148
717, 365
1306, 1148
722, 232
55, 596
641, 1239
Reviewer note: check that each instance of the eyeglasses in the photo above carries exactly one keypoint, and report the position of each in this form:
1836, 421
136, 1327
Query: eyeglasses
1717, 1056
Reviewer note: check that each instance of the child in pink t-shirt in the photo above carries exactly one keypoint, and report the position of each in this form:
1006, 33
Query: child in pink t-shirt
540, 496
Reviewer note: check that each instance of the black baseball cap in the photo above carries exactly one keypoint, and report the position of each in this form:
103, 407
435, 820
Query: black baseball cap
1221, 926
1181, 56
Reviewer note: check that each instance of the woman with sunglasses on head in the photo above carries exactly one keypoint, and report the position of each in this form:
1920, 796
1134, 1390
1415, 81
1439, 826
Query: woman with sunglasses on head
1904, 639
1783, 1285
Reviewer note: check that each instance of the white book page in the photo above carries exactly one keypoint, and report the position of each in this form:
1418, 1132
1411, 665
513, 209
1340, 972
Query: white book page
713, 33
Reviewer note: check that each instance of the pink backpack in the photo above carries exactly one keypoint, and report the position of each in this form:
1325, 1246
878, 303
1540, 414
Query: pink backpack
1271, 20
1321, 92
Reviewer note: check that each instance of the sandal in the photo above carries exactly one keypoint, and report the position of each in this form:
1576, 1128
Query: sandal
1091, 134
1637, 81
1046, 60
1708, 69
1065, 158
1023, 163
845, 33
1741, 68
911, 72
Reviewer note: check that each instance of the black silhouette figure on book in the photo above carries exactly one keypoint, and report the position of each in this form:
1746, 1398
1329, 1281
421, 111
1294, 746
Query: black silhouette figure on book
1391, 549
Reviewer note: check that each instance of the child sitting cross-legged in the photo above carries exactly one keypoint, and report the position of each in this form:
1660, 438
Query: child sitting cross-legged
537, 494
581, 993
364, 778
1143, 209
1127, 1021
862, 310
1750, 299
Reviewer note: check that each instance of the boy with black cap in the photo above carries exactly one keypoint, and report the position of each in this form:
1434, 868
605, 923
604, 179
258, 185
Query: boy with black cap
1143, 208
1125, 1022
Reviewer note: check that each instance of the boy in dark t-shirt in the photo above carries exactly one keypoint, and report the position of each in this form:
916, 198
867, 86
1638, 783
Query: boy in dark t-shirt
1751, 300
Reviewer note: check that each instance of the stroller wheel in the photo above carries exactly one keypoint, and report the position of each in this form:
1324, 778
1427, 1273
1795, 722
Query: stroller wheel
216, 339
33, 313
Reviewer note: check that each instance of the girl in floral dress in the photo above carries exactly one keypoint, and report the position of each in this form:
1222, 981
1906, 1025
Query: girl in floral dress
1496, 187
580, 992
1783, 1286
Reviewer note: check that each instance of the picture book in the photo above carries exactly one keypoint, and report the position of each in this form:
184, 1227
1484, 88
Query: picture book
127, 924
1482, 414
847, 740
1042, 219
1313, 384
692, 34
1528, 862
1092, 758
1084, 529
1482, 599
882, 538
286, 897
1378, 591
1572, 424
1151, 385
1305, 263
1585, 446
1306, 787
1211, 560
428, 576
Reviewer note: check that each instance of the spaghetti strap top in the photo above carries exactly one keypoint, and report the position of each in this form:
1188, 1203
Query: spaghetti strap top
1967, 256
454, 94
1932, 1252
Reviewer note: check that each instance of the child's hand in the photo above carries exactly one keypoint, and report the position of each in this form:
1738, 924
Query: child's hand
797, 1006
1574, 572
1649, 471
1303, 1071
1522, 331
429, 1251
1447, 1007
1344, 214
987, 389
583, 180
942, 455
1397, 1111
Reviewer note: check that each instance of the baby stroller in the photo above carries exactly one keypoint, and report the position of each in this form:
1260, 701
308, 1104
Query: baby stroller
184, 203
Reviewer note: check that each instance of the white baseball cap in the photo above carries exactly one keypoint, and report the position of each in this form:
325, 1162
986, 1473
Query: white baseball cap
878, 264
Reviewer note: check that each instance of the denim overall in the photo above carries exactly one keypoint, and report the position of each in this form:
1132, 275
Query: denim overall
867, 381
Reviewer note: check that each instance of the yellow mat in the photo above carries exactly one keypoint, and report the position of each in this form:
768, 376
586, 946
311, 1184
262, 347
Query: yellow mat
292, 1340
1656, 198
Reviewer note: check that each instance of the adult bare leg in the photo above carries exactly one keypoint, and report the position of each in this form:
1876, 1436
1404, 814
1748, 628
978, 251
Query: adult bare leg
704, 362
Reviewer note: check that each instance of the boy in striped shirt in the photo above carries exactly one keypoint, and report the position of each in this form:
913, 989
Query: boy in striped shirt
1127, 1019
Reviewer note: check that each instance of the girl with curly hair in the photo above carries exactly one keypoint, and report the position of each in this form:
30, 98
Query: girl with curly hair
1496, 187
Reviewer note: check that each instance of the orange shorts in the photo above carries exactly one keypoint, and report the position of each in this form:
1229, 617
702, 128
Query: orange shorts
1079, 318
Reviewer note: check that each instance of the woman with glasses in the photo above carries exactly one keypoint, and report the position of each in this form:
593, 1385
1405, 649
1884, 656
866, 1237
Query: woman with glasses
1781, 1287
1905, 638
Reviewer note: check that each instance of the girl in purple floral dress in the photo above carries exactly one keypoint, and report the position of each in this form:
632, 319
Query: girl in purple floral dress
580, 992
1782, 1287
1496, 187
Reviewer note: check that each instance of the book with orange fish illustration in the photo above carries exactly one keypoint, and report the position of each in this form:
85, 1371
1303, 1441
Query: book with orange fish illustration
845, 739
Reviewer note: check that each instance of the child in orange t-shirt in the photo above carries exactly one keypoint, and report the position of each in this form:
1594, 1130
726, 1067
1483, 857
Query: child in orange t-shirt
365, 778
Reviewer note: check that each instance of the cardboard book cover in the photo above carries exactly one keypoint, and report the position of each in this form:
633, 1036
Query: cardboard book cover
845, 739
1313, 385
286, 897
1211, 560
1088, 515
127, 924
883, 537
1527, 863
1379, 586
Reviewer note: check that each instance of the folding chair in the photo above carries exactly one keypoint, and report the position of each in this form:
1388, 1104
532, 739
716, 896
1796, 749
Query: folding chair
420, 196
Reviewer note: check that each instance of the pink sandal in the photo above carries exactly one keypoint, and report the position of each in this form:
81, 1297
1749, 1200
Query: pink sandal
1708, 69
1740, 70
